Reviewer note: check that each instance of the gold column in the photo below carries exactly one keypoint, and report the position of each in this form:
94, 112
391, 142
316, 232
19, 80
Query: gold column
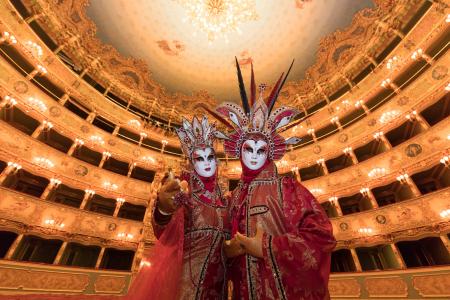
446, 241
131, 168
412, 185
90, 118
60, 253
297, 174
87, 196
38, 131
368, 193
356, 260
49, 188
119, 203
34, 17
349, 151
105, 156
116, 130
398, 256
100, 257
11, 168
321, 163
14, 246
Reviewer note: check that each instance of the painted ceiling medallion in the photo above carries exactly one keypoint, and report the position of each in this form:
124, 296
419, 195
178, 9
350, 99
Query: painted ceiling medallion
219, 18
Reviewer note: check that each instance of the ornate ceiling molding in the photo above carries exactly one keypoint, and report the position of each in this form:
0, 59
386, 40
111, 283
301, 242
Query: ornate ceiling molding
338, 60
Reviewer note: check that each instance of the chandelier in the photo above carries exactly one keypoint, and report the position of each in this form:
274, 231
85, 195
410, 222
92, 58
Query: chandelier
218, 18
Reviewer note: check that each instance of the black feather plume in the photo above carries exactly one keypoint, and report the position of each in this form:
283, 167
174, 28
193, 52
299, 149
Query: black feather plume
242, 88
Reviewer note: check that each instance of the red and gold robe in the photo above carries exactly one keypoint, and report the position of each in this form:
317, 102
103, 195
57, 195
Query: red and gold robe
206, 226
297, 242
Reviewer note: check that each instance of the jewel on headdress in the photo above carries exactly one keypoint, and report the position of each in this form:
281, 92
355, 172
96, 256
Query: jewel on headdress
197, 135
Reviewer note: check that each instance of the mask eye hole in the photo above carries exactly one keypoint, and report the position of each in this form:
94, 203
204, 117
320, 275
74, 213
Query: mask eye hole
210, 157
261, 151
248, 149
199, 159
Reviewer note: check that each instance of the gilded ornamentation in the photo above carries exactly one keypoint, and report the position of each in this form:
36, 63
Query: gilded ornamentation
110, 284
343, 138
317, 149
386, 287
402, 101
21, 87
84, 129
372, 122
381, 219
413, 150
81, 170
433, 285
344, 287
55, 111
338, 51
439, 72
33, 280
343, 226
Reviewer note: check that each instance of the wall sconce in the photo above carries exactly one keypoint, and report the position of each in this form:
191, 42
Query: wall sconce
445, 213
447, 20
378, 135
445, 160
364, 191
37, 104
316, 191
310, 131
89, 192
403, 178
123, 235
110, 186
143, 135
385, 83
134, 123
164, 142
79, 142
447, 87
333, 199
106, 154
148, 159
365, 230
334, 120
97, 140
53, 223
15, 166
412, 116
47, 124
44, 162
41, 70
359, 103
320, 161
34, 48
348, 150
10, 102
120, 200
389, 116
8, 38
417, 54
377, 172
55, 181
391, 63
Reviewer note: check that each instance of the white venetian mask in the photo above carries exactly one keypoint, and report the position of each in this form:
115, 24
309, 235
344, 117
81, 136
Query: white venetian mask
204, 161
254, 154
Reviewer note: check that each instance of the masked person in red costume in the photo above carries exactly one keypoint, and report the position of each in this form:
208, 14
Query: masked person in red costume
188, 260
277, 223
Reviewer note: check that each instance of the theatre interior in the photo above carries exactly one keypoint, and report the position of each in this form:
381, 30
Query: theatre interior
92, 92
